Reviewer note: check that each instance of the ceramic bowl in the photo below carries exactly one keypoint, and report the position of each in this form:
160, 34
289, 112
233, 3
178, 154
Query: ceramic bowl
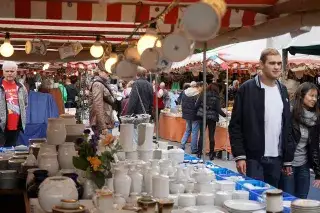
69, 204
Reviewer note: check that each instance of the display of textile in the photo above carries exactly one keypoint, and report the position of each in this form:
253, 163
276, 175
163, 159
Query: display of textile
48, 109
37, 117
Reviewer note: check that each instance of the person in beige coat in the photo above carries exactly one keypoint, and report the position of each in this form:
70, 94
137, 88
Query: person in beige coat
101, 101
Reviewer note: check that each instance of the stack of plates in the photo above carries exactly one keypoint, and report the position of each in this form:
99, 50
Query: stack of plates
305, 206
243, 206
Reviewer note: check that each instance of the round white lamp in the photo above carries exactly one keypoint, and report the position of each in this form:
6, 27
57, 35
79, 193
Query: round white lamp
110, 61
96, 50
6, 49
149, 40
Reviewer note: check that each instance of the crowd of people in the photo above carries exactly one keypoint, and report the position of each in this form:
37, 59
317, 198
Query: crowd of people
272, 138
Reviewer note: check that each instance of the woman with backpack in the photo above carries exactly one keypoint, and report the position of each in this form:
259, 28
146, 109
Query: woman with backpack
213, 112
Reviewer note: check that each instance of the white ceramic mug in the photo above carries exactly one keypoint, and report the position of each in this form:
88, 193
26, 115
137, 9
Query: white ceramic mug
221, 197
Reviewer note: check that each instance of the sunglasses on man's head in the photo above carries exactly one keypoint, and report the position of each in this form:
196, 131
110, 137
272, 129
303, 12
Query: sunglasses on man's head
10, 71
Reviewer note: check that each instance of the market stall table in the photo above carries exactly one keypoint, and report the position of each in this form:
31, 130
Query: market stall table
172, 128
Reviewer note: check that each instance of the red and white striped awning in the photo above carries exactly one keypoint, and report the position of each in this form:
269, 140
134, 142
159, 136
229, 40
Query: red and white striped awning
110, 20
126, 11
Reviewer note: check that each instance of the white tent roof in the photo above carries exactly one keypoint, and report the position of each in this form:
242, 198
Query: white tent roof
250, 51
307, 39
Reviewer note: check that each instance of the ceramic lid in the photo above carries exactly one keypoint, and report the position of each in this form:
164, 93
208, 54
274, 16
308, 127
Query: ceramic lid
201, 21
150, 58
176, 47
126, 70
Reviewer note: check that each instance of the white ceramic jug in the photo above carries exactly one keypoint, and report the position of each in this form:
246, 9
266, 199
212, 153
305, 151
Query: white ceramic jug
66, 152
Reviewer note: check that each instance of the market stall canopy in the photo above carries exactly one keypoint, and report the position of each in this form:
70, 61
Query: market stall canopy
63, 21
307, 43
246, 55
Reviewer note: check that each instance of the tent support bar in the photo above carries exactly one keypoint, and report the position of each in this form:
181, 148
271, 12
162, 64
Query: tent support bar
204, 136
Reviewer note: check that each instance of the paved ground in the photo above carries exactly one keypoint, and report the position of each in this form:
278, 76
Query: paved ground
314, 193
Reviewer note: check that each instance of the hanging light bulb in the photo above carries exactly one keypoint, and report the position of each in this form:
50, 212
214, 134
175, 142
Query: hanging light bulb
96, 50
111, 60
149, 39
6, 48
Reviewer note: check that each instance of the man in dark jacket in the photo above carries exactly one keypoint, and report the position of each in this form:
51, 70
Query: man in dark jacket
141, 97
189, 113
72, 93
260, 124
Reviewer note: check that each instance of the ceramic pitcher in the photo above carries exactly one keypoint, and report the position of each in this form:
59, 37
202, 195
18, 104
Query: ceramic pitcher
103, 200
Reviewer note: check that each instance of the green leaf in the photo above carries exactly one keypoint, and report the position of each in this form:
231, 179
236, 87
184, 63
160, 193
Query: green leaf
98, 178
80, 163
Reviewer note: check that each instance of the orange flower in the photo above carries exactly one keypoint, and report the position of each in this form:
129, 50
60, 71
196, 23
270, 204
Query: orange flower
108, 139
95, 162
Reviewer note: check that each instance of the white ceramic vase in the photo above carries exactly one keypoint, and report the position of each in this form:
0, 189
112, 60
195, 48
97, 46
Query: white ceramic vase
46, 148
75, 129
160, 185
49, 162
53, 189
66, 152
122, 182
68, 119
56, 131
136, 180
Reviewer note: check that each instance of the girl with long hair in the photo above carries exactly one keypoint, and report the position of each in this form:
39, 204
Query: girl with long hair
305, 133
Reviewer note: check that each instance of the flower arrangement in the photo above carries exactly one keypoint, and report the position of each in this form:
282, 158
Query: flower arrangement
95, 156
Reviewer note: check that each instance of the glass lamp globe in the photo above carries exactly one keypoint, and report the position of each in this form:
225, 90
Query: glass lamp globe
147, 41
96, 50
109, 62
6, 49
